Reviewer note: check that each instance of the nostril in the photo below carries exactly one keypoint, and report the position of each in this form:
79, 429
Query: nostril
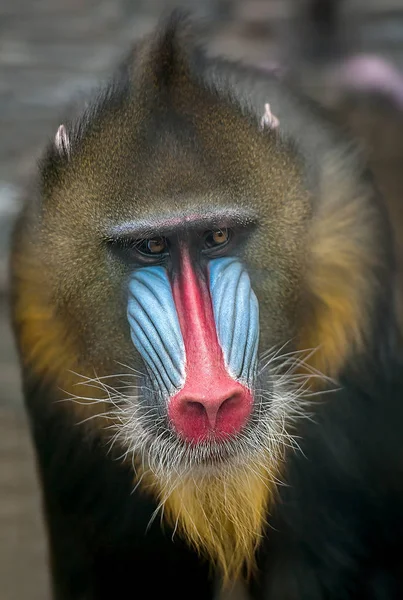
193, 408
229, 403
196, 414
236, 406
210, 410
205, 411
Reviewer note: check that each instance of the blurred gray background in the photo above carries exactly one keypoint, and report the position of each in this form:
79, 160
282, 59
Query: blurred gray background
49, 51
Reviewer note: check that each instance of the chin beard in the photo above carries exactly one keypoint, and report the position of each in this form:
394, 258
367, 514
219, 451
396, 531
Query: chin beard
216, 494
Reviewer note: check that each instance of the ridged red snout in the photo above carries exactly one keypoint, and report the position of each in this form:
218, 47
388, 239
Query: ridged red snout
199, 411
211, 403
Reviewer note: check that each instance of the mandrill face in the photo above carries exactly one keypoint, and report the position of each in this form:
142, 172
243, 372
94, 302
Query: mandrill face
194, 319
197, 285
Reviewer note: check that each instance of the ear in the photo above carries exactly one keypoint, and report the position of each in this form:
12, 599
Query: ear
268, 120
62, 141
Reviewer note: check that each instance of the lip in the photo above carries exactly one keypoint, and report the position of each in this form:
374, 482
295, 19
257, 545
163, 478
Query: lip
213, 449
210, 438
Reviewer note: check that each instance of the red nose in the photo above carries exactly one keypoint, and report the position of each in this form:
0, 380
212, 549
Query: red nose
218, 413
211, 403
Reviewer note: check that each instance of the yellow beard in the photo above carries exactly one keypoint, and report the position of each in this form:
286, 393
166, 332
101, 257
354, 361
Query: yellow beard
221, 516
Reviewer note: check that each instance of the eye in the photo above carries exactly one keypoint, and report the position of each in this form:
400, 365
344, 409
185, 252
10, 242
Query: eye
156, 246
217, 238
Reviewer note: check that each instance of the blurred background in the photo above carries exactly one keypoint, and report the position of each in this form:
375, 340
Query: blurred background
346, 53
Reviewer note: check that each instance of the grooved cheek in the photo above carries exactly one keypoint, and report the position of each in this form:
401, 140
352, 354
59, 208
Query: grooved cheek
154, 327
236, 313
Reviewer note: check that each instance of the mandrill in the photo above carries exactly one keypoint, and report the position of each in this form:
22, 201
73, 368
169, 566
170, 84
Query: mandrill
203, 296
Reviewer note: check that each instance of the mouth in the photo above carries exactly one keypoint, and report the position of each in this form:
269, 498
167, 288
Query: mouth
164, 449
213, 448
145, 432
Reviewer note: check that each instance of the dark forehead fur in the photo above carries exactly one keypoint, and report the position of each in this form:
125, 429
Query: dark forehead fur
165, 100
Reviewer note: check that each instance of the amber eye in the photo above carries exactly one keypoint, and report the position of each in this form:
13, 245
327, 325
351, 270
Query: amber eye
217, 238
153, 246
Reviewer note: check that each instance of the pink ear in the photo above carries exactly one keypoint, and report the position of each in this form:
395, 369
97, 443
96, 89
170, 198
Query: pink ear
268, 120
62, 141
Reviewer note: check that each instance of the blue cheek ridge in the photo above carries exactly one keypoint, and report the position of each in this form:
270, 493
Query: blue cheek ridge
154, 326
236, 314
